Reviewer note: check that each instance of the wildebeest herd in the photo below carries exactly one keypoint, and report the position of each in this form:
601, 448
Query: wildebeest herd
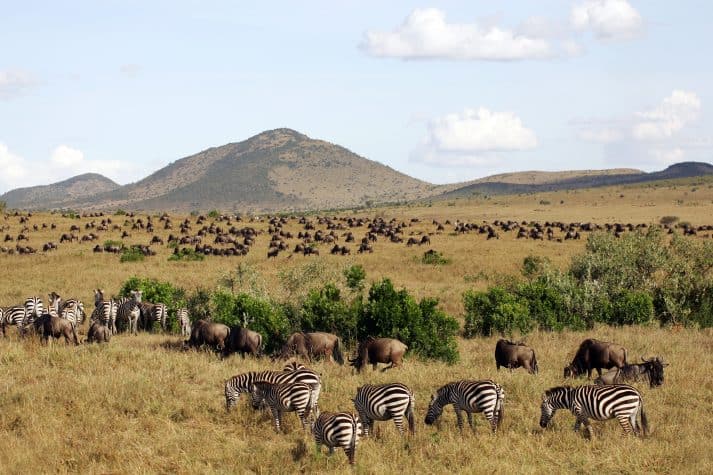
235, 235
297, 388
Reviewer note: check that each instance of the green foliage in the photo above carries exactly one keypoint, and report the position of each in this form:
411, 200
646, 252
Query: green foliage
632, 308
131, 254
324, 310
396, 314
110, 242
198, 304
157, 291
120, 212
213, 213
495, 311
554, 303
355, 276
186, 254
534, 265
668, 220
434, 258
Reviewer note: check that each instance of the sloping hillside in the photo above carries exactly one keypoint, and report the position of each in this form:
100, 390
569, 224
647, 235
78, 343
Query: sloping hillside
58, 195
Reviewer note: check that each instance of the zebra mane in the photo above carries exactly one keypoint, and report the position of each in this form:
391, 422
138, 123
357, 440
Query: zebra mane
557, 390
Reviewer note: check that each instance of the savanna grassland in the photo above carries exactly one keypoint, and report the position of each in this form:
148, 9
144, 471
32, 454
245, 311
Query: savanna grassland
141, 405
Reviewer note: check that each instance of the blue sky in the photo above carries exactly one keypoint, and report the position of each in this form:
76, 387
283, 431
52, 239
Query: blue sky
443, 91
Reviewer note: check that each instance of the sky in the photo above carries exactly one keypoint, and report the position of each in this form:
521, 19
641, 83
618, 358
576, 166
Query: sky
443, 91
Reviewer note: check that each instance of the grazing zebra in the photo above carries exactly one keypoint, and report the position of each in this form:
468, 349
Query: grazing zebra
12, 316
184, 321
285, 397
242, 383
33, 310
469, 396
128, 311
383, 402
337, 429
104, 311
599, 403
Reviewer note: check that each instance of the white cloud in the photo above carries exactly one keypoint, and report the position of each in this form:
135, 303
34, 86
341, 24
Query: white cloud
667, 156
12, 166
14, 83
672, 115
67, 157
425, 34
473, 137
607, 19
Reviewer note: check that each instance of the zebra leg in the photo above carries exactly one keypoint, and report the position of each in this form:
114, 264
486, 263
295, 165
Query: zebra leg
470, 420
626, 424
277, 416
331, 451
399, 421
459, 417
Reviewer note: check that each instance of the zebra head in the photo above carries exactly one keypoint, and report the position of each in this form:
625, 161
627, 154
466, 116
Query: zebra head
435, 409
553, 399
257, 393
136, 294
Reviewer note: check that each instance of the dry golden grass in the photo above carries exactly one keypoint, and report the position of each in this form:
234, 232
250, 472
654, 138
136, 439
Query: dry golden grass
139, 405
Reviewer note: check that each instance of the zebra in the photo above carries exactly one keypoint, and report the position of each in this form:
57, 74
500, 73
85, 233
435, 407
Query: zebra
337, 429
33, 310
242, 383
153, 312
61, 308
383, 402
12, 316
72, 313
469, 396
128, 310
600, 403
285, 397
293, 366
104, 311
184, 321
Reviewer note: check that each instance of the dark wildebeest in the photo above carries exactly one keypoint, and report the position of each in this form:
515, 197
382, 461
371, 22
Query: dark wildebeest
98, 333
313, 344
208, 333
595, 354
244, 341
56, 327
379, 350
651, 369
514, 355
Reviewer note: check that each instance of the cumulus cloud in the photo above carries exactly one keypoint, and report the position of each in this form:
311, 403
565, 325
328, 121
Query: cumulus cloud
607, 19
12, 166
14, 83
66, 157
653, 137
673, 114
473, 137
425, 34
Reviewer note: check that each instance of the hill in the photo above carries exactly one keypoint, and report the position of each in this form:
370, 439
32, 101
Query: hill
533, 182
276, 170
59, 194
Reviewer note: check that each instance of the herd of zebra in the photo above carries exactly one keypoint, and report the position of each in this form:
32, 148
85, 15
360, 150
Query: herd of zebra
297, 388
107, 318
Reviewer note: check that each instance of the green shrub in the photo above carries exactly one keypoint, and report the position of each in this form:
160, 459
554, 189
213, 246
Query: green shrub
186, 254
434, 258
668, 220
632, 308
131, 254
355, 276
157, 291
496, 310
111, 242
324, 310
213, 213
120, 212
396, 314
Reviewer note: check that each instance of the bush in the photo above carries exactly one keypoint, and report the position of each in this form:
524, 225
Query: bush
495, 311
186, 254
156, 291
668, 220
131, 254
435, 258
213, 213
324, 310
120, 212
551, 307
355, 276
396, 314
632, 308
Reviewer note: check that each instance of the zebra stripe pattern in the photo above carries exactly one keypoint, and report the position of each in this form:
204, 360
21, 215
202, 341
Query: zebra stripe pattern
242, 383
72, 313
128, 311
285, 397
153, 312
340, 429
184, 321
71, 309
469, 396
292, 366
600, 403
33, 310
13, 316
383, 402
79, 309
104, 311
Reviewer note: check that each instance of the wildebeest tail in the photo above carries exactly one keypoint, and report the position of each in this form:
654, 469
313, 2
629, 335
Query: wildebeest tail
410, 416
535, 368
337, 352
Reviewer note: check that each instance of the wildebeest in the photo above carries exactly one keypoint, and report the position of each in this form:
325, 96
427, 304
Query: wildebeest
98, 333
595, 354
514, 355
651, 369
244, 341
56, 327
208, 333
313, 344
379, 350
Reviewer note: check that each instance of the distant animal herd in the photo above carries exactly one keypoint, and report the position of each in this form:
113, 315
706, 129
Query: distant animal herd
297, 388
235, 235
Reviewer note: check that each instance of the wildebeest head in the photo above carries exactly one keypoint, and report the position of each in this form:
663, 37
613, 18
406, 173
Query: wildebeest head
572, 371
655, 366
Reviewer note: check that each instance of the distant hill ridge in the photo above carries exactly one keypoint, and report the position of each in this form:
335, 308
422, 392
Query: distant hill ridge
284, 170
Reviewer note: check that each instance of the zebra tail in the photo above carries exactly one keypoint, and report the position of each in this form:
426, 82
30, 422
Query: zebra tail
353, 441
500, 409
644, 422
337, 352
410, 415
